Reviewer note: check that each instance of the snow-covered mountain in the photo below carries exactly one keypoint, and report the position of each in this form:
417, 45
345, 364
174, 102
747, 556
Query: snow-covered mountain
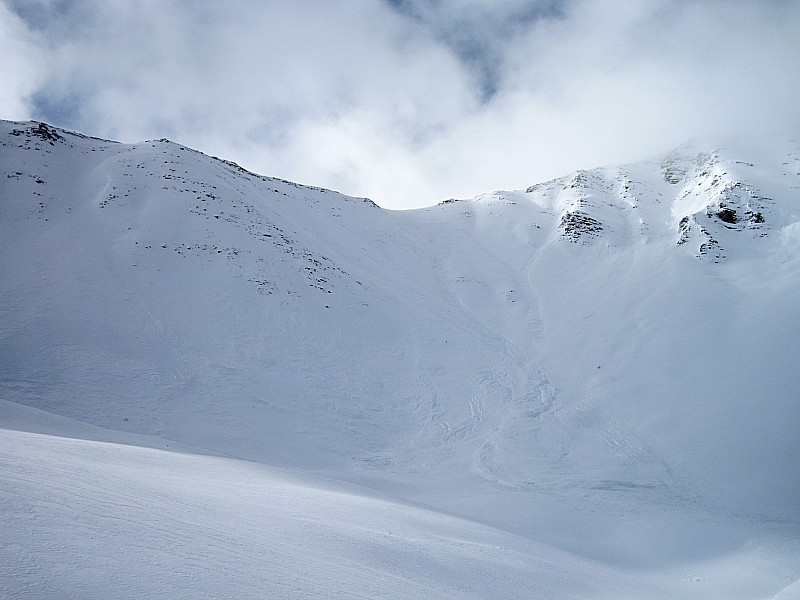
583, 389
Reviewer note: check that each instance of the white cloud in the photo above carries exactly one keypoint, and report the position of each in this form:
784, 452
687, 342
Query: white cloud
409, 101
20, 72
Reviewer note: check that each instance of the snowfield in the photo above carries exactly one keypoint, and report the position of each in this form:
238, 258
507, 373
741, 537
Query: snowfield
217, 384
94, 519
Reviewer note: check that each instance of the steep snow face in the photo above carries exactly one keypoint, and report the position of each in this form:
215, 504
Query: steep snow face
665, 327
620, 341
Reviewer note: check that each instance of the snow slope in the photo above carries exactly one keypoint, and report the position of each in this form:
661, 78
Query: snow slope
598, 372
184, 526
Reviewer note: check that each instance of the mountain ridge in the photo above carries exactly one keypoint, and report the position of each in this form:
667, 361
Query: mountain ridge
525, 359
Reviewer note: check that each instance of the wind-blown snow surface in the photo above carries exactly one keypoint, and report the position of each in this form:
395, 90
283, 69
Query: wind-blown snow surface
221, 384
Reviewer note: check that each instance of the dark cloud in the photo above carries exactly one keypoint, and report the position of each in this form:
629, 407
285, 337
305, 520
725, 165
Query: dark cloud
406, 101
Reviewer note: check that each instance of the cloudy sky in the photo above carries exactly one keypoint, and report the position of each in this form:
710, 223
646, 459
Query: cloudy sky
408, 102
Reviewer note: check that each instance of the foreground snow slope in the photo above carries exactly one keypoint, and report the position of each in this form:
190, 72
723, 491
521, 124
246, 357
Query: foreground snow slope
604, 363
86, 519
98, 520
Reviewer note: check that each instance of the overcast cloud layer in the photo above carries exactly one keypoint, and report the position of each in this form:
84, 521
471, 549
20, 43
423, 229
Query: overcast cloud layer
408, 102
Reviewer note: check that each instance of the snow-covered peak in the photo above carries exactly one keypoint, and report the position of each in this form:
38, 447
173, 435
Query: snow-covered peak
696, 195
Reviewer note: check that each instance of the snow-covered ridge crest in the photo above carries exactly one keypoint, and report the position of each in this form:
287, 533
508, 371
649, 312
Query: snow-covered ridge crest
694, 194
38, 130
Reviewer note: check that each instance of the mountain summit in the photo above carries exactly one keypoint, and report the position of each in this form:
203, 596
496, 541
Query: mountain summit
600, 369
